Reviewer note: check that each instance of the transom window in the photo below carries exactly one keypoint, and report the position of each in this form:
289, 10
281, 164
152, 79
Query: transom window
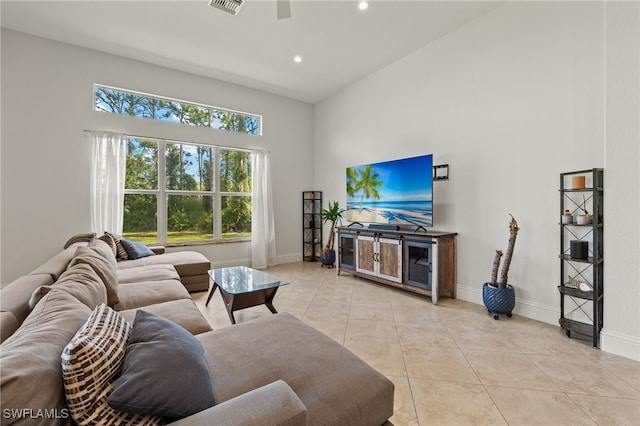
179, 192
126, 102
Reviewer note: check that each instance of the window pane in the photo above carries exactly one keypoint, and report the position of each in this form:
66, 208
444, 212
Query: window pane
235, 171
235, 122
190, 114
190, 218
140, 218
188, 167
142, 164
236, 217
126, 102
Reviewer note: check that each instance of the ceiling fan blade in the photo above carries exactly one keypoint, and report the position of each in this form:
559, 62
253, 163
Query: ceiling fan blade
284, 9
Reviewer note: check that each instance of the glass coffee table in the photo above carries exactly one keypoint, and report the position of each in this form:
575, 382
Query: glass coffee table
242, 287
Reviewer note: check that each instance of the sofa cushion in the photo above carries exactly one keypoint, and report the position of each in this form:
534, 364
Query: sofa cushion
8, 325
90, 362
196, 283
272, 404
15, 296
31, 374
121, 253
97, 255
162, 356
186, 262
136, 250
103, 248
183, 312
147, 273
150, 292
108, 239
80, 281
80, 238
334, 385
58, 263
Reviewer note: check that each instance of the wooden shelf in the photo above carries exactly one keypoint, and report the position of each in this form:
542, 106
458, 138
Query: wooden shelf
575, 292
577, 326
575, 259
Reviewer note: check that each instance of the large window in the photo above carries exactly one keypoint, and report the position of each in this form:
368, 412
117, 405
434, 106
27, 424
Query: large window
126, 102
177, 192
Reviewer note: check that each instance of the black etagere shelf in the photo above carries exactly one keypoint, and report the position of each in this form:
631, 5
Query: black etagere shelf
311, 225
581, 253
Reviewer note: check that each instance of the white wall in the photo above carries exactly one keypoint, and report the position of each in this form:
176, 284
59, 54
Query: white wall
621, 332
47, 99
509, 101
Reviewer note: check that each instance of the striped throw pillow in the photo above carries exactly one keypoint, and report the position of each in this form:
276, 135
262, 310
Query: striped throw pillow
90, 363
121, 252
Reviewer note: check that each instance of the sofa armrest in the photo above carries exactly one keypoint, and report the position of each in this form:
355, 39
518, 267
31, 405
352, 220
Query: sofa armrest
157, 249
272, 404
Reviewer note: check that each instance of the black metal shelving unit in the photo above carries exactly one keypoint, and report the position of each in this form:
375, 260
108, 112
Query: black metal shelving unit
311, 225
581, 309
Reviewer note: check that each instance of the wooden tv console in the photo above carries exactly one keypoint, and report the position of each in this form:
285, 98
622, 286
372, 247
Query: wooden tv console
423, 262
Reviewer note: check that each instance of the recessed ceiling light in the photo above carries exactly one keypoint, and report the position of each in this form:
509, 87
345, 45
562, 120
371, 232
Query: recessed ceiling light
363, 5
297, 59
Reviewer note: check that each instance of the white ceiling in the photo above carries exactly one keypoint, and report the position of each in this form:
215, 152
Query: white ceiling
338, 42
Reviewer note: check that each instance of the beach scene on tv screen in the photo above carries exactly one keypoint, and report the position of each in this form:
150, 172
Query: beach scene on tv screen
397, 192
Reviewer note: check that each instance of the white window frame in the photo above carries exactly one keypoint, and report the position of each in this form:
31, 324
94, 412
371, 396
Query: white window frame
162, 193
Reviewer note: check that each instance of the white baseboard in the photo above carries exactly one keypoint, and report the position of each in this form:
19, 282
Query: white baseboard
620, 344
537, 311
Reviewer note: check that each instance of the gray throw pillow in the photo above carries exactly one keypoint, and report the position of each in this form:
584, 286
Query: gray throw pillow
164, 372
136, 250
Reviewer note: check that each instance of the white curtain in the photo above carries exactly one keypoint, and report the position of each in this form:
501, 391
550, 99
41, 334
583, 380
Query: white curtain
108, 161
263, 235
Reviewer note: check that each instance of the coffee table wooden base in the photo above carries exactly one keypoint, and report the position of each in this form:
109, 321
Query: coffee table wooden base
235, 302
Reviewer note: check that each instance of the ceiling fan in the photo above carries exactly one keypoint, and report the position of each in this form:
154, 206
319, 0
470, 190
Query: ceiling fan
234, 6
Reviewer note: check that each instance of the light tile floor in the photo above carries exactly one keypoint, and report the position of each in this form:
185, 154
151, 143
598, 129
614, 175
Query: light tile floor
453, 364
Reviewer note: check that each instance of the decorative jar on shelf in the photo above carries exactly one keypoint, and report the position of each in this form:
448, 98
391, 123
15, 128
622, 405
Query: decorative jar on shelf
567, 218
584, 219
578, 182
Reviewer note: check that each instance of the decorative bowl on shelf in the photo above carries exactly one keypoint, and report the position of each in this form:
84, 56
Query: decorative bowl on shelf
584, 219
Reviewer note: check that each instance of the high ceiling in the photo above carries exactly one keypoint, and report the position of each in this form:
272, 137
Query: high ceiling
338, 42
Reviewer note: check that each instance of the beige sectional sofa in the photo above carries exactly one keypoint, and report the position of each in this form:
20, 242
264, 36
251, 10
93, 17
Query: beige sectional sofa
192, 267
275, 370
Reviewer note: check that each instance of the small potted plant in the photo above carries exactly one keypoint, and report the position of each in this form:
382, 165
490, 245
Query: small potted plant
498, 296
332, 214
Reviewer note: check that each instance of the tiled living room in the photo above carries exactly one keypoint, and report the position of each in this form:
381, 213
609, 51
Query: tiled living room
453, 364
507, 96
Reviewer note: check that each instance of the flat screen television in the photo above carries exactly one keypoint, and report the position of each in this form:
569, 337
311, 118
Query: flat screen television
397, 192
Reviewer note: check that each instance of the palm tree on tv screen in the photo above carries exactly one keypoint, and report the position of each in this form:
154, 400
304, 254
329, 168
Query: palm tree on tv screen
367, 182
352, 177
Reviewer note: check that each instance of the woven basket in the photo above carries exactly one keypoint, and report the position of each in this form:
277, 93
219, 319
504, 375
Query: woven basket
499, 300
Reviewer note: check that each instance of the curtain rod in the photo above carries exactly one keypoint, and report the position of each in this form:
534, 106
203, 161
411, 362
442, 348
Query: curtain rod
170, 140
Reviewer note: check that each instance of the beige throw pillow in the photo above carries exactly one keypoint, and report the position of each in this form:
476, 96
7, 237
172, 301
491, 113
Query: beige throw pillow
80, 281
99, 258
